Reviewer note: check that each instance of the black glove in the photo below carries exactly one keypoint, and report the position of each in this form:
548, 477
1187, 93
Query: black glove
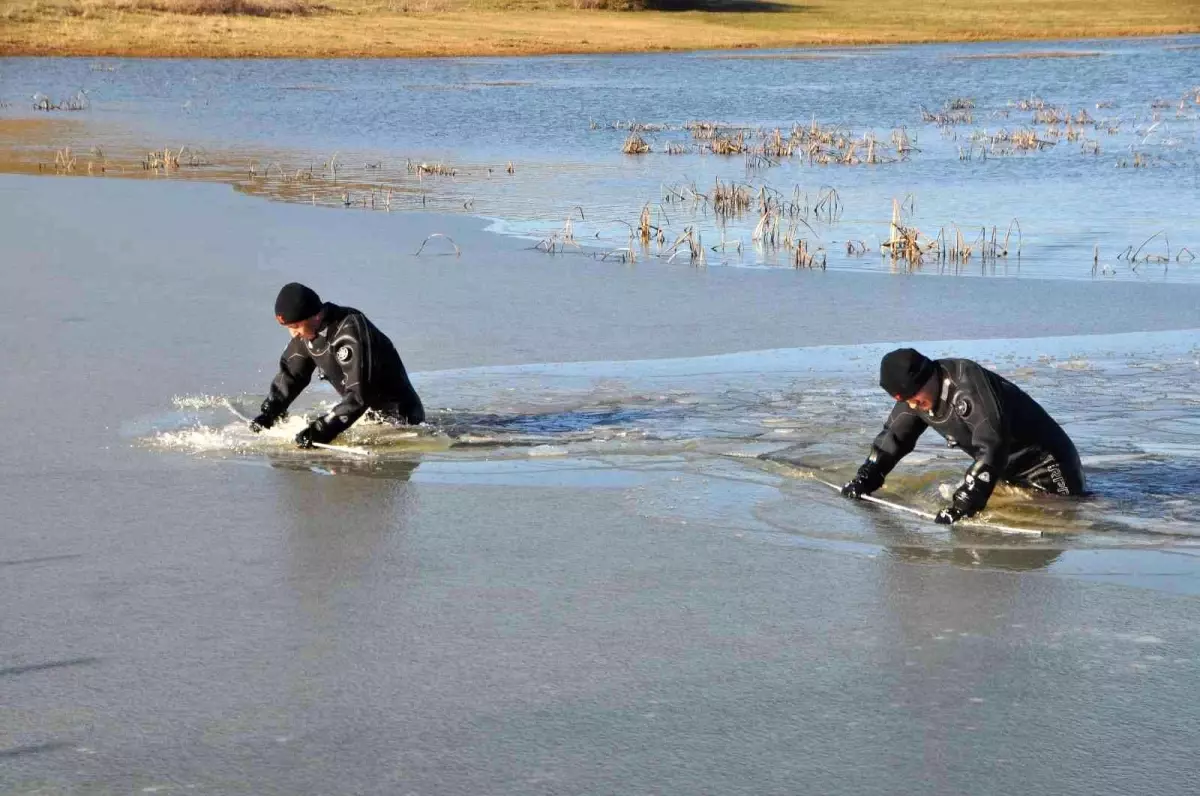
949, 515
317, 431
971, 496
868, 478
268, 415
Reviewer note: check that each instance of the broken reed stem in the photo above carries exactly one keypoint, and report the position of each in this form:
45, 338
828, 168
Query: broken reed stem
1162, 232
457, 251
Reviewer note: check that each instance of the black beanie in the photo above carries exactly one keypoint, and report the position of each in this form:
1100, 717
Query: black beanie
903, 372
296, 303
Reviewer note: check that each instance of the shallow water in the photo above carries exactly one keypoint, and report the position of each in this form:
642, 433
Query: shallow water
605, 566
561, 122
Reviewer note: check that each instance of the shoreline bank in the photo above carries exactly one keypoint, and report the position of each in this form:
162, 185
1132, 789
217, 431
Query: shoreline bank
345, 29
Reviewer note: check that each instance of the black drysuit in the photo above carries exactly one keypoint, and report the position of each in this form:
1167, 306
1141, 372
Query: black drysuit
1006, 432
358, 360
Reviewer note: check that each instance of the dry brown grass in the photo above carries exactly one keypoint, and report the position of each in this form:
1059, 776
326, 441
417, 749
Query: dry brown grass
248, 8
393, 28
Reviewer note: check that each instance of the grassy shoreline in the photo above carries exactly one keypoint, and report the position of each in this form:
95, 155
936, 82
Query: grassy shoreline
423, 28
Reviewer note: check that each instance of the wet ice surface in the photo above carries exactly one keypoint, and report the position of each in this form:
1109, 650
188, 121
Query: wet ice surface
568, 584
698, 441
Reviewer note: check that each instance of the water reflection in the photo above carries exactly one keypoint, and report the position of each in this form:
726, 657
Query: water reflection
966, 548
989, 557
345, 523
946, 654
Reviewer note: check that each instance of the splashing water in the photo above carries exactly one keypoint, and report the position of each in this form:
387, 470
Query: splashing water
777, 419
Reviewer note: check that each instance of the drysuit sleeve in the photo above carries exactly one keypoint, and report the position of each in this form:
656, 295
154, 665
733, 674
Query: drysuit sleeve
978, 404
352, 347
899, 436
295, 372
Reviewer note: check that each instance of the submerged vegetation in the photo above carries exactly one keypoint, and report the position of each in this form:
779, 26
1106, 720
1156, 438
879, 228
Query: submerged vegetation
812, 143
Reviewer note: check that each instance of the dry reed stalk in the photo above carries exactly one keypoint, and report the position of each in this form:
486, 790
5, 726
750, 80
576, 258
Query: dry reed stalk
803, 258
624, 255
644, 225
728, 199
635, 145
776, 146
754, 162
1027, 140
902, 142
1139, 161
1008, 234
438, 169
64, 161
1155, 258
706, 131
766, 231
457, 251
568, 234
78, 102
728, 145
829, 205
694, 247
948, 116
904, 243
1046, 115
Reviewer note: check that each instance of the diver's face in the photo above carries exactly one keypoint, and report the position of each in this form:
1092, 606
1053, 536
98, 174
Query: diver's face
925, 399
305, 329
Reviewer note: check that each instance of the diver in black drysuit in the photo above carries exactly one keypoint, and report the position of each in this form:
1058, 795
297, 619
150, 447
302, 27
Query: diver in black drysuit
1006, 432
348, 351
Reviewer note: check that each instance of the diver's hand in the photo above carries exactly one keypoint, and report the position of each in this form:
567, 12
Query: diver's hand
949, 515
262, 421
316, 432
268, 415
972, 495
866, 480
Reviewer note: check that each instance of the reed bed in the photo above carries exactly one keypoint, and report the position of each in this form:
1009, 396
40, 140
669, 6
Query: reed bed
775, 232
1141, 256
766, 148
1048, 125
635, 145
952, 113
437, 169
729, 200
727, 144
77, 102
332, 182
908, 248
